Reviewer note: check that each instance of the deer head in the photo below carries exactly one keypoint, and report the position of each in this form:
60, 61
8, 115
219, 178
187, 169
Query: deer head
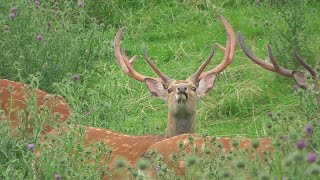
180, 95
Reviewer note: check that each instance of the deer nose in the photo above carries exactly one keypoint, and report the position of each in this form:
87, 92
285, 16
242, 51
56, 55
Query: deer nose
182, 89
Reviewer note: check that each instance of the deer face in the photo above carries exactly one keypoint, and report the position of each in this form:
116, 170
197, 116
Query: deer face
181, 91
181, 95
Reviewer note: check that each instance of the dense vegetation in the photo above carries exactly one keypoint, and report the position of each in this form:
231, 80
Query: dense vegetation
66, 48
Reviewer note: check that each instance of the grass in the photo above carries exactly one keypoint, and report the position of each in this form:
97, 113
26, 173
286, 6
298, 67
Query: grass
178, 35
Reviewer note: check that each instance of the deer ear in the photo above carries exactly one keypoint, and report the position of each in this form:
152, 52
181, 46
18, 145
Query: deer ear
300, 79
206, 84
156, 88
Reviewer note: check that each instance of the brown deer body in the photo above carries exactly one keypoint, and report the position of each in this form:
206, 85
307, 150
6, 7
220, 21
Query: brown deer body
13, 96
129, 147
168, 147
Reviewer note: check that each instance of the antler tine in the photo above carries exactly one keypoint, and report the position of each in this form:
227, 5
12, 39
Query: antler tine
164, 77
253, 58
313, 73
126, 64
220, 47
117, 51
123, 60
231, 45
196, 75
271, 67
132, 60
277, 68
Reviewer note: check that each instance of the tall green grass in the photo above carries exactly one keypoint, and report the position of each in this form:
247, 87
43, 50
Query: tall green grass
78, 41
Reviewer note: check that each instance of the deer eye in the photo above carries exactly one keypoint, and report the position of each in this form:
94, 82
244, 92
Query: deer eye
194, 88
169, 90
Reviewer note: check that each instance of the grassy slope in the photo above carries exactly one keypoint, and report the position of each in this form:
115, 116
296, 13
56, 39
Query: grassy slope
178, 37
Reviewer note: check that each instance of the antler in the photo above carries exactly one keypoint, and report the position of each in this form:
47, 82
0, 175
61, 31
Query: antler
126, 67
164, 77
228, 57
313, 73
126, 64
297, 75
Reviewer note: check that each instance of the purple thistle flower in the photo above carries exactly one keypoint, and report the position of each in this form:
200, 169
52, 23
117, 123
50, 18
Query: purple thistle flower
37, 3
80, 3
301, 144
309, 129
57, 176
269, 114
12, 15
40, 37
30, 147
312, 157
6, 28
76, 77
158, 168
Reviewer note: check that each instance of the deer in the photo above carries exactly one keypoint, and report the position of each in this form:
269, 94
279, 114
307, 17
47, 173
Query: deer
13, 106
298, 76
181, 97
181, 117
14, 113
167, 147
13, 97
